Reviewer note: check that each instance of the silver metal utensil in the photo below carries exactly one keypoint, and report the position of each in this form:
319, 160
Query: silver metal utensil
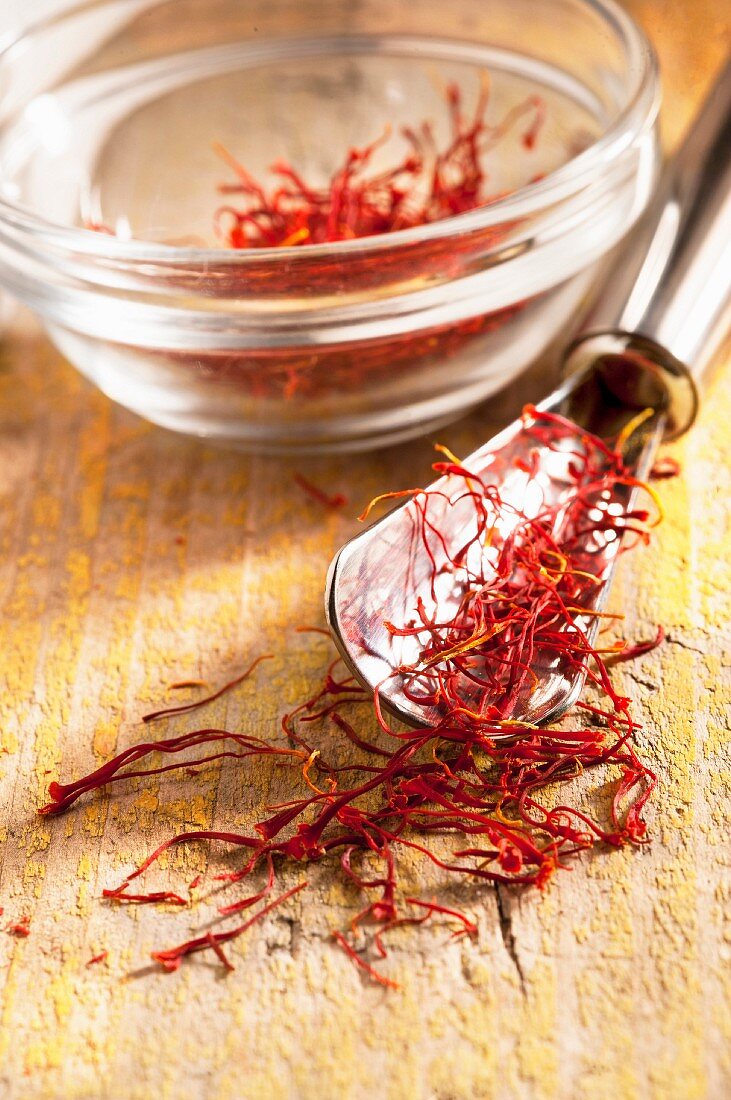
663, 312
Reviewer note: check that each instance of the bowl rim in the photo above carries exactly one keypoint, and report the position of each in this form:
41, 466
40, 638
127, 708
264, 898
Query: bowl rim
643, 101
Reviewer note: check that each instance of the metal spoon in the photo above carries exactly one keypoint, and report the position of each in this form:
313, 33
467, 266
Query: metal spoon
665, 305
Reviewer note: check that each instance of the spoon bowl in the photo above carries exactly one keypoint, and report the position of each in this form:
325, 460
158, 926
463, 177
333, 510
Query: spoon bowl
381, 576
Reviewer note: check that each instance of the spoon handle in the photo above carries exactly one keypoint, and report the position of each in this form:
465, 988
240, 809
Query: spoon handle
666, 304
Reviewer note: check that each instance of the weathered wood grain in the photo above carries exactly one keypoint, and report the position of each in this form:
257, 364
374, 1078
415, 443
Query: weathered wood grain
130, 559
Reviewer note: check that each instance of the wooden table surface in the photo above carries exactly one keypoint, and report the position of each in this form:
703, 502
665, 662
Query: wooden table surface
129, 559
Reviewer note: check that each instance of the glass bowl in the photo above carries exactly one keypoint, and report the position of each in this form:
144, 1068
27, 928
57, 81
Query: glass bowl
108, 189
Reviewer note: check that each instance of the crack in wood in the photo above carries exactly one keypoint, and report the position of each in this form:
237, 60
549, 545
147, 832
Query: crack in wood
638, 679
292, 937
508, 935
674, 640
295, 936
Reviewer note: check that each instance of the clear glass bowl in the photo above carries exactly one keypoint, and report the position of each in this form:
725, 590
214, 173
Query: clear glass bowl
108, 114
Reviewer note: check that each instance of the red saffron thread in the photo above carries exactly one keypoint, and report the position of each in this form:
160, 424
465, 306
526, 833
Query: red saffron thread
361, 962
154, 898
639, 649
522, 582
171, 958
101, 957
20, 928
167, 712
468, 926
426, 185
334, 501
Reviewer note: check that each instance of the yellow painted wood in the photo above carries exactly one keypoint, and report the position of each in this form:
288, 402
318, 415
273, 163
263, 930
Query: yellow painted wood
130, 559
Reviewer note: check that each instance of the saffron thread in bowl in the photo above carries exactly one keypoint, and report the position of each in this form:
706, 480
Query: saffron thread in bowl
428, 184
433, 181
